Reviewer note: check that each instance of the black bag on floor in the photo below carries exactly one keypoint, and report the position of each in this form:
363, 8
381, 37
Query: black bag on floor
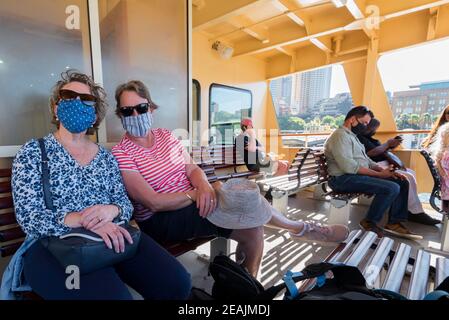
233, 281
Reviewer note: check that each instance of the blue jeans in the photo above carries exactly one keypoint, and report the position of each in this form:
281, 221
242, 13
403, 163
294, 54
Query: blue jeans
388, 193
152, 272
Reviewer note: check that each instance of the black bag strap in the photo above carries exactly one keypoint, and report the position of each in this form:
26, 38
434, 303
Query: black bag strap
46, 176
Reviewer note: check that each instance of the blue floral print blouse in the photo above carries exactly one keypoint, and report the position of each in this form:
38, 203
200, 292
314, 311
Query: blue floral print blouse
73, 187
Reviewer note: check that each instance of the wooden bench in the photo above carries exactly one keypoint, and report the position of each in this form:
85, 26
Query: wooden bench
222, 162
309, 169
387, 264
305, 171
436, 195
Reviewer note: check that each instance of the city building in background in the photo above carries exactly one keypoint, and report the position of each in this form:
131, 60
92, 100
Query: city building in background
419, 107
303, 101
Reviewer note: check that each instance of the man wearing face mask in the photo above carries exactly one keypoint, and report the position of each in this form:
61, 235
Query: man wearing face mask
380, 153
352, 171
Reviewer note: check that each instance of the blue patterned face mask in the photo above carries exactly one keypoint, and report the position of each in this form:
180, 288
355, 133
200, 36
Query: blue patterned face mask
75, 116
138, 126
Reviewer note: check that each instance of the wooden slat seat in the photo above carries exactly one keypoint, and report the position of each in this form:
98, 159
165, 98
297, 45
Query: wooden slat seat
372, 256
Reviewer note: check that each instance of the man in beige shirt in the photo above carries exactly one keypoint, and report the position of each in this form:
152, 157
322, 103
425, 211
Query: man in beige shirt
352, 171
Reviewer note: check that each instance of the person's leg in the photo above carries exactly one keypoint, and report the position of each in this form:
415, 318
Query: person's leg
155, 273
48, 279
282, 168
384, 191
249, 247
181, 225
309, 231
414, 204
398, 208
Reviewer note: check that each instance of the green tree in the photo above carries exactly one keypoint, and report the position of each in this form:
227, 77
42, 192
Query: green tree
426, 120
339, 120
299, 123
403, 121
414, 121
328, 120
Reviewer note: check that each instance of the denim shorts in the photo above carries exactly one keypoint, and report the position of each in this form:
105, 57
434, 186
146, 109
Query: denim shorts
180, 225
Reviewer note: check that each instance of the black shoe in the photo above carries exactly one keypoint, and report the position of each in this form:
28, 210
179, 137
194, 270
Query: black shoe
422, 218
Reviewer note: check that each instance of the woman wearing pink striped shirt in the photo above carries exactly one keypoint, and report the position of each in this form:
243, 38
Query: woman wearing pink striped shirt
171, 194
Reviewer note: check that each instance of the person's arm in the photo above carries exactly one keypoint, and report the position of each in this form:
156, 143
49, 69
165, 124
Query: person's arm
377, 172
31, 213
250, 141
390, 144
342, 153
377, 151
140, 191
118, 194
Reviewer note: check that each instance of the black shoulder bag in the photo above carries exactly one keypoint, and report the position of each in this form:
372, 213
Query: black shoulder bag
80, 247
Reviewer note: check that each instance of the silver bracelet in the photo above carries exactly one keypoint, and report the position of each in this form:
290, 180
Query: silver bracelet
189, 196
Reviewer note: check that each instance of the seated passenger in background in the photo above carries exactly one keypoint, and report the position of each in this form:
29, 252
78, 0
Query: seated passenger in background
87, 191
380, 153
352, 171
172, 195
254, 153
440, 153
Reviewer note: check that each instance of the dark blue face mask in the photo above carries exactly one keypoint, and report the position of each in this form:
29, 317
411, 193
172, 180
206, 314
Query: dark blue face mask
75, 116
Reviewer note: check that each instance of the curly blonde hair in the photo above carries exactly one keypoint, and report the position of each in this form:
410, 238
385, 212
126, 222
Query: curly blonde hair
97, 90
440, 146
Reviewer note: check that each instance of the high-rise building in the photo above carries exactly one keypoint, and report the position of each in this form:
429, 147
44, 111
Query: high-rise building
281, 89
315, 86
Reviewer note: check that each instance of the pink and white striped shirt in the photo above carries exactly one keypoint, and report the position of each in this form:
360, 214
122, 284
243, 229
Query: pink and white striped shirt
162, 166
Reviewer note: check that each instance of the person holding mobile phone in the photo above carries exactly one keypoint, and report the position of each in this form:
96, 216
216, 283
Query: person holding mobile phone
380, 153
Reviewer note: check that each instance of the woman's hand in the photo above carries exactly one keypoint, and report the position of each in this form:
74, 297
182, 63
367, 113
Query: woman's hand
98, 216
114, 236
206, 199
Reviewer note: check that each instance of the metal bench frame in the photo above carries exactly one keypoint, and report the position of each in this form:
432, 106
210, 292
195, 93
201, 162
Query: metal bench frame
436, 194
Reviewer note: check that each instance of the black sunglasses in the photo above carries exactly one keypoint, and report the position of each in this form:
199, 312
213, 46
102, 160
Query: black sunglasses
87, 99
140, 108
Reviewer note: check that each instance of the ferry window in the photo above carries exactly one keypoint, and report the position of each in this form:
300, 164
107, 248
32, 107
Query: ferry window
37, 45
405, 76
138, 42
311, 102
196, 112
227, 107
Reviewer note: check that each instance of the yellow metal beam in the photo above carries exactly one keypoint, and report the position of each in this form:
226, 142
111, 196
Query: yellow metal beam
217, 11
247, 25
286, 7
324, 26
323, 44
320, 26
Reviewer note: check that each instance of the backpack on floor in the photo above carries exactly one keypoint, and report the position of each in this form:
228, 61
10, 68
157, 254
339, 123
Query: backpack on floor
232, 280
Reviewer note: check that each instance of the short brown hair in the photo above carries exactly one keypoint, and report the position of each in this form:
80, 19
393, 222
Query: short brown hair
69, 76
135, 86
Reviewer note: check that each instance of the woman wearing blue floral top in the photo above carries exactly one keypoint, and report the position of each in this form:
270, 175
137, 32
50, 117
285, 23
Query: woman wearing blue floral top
87, 191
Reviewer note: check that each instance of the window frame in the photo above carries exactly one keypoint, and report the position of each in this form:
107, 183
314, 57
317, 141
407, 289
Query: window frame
197, 84
218, 85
